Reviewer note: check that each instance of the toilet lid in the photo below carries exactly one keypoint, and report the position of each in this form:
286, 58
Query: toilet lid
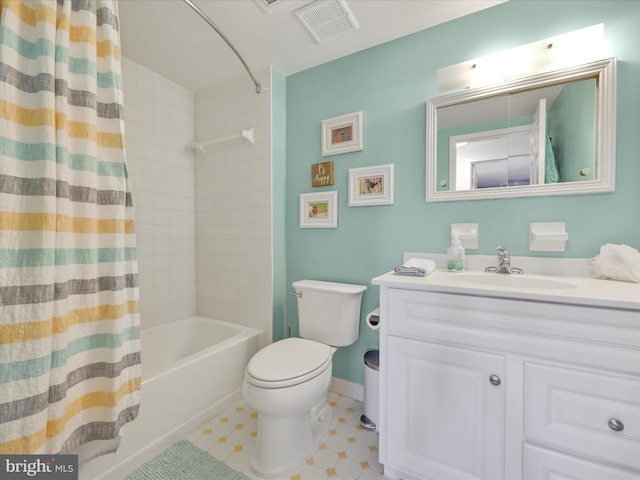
289, 359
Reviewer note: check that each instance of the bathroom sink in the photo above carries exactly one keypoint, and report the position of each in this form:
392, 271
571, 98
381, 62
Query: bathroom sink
511, 280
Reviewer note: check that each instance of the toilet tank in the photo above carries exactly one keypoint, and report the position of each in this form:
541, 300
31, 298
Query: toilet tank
329, 312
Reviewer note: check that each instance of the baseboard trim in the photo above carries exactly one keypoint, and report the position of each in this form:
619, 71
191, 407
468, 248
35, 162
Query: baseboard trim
348, 389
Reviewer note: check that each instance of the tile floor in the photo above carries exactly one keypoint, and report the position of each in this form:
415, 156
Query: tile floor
349, 452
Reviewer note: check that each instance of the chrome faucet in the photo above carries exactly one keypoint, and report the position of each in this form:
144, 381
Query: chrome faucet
504, 263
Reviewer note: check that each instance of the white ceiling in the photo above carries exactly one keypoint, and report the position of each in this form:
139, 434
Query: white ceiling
168, 37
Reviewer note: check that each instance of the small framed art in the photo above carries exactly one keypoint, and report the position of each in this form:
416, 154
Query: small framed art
342, 134
322, 174
319, 210
371, 185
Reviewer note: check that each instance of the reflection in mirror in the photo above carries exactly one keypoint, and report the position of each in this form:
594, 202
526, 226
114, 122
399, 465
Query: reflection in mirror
546, 135
550, 134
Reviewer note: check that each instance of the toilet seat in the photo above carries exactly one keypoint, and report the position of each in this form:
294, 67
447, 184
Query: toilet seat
288, 362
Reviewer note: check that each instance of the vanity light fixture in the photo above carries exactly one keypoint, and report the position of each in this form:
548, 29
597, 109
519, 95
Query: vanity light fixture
567, 50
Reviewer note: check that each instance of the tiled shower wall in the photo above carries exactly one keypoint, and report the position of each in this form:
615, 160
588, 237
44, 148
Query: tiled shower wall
203, 222
233, 205
159, 129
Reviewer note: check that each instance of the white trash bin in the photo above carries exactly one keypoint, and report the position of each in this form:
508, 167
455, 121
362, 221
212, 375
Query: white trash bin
371, 407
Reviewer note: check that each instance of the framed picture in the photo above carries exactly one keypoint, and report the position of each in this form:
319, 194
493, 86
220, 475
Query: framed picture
342, 134
322, 174
371, 185
319, 210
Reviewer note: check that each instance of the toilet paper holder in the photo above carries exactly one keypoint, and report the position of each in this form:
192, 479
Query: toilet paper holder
373, 319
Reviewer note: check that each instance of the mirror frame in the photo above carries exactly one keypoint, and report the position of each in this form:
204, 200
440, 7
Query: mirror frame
604, 71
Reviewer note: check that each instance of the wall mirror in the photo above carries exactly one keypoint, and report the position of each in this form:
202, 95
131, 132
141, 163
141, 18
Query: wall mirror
548, 134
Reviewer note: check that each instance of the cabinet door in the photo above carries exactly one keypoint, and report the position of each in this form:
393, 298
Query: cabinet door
444, 418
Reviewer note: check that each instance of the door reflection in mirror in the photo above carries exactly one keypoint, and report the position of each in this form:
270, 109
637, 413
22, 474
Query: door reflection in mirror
507, 140
496, 158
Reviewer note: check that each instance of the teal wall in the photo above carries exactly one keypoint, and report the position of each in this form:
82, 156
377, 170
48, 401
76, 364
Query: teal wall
391, 83
571, 127
279, 175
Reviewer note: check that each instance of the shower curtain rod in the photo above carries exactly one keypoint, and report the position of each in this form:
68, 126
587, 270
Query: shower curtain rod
215, 27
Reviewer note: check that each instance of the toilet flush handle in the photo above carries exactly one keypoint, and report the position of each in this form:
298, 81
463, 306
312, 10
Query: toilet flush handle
297, 294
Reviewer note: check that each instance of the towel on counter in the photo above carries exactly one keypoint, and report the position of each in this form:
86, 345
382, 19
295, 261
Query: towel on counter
617, 262
416, 267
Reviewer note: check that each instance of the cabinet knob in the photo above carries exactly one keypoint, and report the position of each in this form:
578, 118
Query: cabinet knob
616, 425
495, 380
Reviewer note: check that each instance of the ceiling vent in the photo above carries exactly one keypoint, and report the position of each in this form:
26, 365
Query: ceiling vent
326, 18
270, 6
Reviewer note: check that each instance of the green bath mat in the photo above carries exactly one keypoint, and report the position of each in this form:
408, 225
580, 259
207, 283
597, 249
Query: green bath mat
183, 461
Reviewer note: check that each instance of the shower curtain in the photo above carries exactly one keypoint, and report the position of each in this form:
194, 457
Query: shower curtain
69, 324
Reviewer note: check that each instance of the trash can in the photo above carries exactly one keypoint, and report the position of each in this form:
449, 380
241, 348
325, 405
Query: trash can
371, 408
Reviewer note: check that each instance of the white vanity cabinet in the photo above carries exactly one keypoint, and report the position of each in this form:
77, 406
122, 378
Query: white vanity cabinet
446, 418
480, 387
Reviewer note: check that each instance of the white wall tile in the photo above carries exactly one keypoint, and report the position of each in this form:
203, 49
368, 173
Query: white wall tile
149, 99
144, 78
226, 179
201, 239
144, 135
160, 87
144, 101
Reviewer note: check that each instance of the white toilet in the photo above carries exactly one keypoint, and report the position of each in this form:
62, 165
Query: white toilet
287, 382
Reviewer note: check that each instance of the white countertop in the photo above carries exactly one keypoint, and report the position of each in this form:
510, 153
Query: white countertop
585, 291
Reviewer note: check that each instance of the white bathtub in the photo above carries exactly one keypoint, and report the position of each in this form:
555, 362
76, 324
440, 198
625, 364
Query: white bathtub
192, 369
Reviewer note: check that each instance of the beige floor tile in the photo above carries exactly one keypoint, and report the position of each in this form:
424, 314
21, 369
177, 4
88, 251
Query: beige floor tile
348, 452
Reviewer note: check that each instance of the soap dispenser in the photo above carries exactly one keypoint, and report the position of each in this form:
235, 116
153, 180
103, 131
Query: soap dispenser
455, 254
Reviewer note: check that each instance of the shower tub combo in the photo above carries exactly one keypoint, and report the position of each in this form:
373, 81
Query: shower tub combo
192, 369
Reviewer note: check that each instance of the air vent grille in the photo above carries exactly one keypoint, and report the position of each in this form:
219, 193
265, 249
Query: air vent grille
333, 28
270, 5
326, 18
318, 16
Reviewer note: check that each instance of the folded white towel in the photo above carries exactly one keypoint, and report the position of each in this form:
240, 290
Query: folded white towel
416, 267
617, 262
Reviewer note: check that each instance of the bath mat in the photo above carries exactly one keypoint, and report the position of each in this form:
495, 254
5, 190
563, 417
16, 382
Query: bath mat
183, 461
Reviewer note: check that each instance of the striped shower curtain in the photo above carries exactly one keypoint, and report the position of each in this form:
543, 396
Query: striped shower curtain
69, 323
